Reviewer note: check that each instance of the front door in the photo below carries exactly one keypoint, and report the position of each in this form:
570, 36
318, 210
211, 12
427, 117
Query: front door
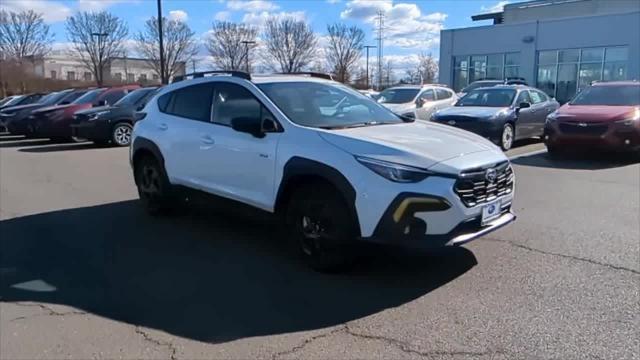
242, 166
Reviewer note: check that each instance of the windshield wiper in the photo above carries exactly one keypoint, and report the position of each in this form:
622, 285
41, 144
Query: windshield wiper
356, 125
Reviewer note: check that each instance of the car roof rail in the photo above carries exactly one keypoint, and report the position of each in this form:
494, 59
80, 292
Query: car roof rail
436, 84
310, 74
199, 74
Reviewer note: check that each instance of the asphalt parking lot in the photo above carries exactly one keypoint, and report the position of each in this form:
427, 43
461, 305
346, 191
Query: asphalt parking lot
85, 273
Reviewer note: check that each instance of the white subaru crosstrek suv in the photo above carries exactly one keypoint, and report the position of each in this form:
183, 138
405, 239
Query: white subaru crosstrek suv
417, 101
337, 166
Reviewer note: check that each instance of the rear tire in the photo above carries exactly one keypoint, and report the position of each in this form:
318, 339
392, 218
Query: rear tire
321, 227
156, 193
507, 136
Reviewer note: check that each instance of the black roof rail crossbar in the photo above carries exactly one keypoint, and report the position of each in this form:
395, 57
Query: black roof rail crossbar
310, 73
199, 74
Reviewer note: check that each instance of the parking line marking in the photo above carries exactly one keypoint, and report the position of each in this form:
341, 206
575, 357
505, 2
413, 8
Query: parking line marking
535, 152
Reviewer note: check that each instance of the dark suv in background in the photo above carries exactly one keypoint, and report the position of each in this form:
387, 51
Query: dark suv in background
14, 118
603, 116
54, 122
111, 124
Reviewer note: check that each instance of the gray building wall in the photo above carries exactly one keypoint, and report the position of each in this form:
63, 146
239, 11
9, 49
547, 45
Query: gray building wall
553, 9
565, 33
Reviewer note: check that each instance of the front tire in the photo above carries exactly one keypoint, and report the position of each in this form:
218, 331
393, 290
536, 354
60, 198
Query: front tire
321, 227
121, 134
507, 137
154, 189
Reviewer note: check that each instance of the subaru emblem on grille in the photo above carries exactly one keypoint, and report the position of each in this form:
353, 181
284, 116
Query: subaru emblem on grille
582, 124
451, 122
491, 175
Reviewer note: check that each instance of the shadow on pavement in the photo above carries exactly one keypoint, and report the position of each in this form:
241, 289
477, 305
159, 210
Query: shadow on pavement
209, 276
62, 147
23, 143
578, 161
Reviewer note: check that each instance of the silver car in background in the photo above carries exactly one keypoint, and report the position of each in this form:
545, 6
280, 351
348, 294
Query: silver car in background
417, 101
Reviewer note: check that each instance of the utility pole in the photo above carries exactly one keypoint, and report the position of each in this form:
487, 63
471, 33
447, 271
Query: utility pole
99, 73
163, 77
368, 47
246, 52
380, 19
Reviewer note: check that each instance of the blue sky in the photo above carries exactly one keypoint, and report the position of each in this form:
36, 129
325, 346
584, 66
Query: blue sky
412, 26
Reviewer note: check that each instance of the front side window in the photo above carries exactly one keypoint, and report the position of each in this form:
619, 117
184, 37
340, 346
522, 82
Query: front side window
524, 97
233, 101
610, 95
191, 102
488, 98
305, 103
397, 96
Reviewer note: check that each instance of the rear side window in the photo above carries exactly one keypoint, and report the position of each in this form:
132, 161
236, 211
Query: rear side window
537, 96
191, 102
428, 95
234, 101
443, 94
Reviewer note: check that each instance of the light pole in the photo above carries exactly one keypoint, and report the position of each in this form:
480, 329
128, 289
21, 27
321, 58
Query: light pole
368, 47
99, 72
246, 49
163, 77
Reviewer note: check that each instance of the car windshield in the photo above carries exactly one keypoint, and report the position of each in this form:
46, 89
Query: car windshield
397, 96
488, 97
479, 84
611, 95
133, 97
325, 105
89, 97
53, 98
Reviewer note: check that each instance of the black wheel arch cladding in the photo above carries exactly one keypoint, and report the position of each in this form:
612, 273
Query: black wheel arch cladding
301, 168
143, 145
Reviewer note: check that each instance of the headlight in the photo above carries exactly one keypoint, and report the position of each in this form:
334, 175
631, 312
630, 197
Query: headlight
394, 172
634, 119
552, 117
94, 116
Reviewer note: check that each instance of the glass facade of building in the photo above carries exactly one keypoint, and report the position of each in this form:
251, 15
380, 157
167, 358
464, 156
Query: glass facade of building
562, 73
470, 68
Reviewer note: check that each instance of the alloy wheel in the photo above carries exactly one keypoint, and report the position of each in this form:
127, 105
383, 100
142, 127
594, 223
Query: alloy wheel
122, 135
150, 182
507, 137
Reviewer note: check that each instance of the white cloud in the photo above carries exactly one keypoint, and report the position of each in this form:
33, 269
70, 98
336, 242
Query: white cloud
251, 5
178, 15
258, 19
499, 6
222, 16
52, 11
404, 24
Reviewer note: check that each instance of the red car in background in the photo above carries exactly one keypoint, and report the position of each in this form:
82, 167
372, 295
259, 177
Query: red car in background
54, 122
603, 116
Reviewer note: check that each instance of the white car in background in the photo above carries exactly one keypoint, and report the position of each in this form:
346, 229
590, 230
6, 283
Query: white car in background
417, 101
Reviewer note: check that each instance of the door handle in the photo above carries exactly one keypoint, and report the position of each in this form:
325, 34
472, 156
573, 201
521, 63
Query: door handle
163, 126
208, 140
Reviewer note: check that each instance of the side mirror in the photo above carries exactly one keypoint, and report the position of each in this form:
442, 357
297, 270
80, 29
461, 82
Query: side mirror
269, 125
140, 107
524, 105
247, 125
419, 102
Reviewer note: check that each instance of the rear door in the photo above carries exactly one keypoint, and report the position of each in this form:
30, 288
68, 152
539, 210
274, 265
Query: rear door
428, 98
541, 108
446, 98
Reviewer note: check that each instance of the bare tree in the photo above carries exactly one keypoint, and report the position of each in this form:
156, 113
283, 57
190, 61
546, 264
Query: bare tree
23, 34
229, 43
425, 71
344, 49
290, 44
178, 41
97, 37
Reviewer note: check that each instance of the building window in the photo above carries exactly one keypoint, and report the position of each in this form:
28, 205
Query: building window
156, 77
467, 69
142, 77
131, 77
71, 75
87, 76
54, 75
562, 73
118, 76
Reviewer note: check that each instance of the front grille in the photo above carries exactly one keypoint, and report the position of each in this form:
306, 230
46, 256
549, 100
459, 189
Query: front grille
474, 188
579, 128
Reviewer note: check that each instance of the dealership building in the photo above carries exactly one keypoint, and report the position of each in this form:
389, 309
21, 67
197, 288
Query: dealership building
559, 46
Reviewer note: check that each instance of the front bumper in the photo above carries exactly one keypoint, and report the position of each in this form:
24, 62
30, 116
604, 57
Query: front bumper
94, 130
607, 136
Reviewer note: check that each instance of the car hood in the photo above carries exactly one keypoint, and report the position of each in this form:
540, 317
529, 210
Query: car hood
594, 113
400, 108
419, 144
471, 111
13, 109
